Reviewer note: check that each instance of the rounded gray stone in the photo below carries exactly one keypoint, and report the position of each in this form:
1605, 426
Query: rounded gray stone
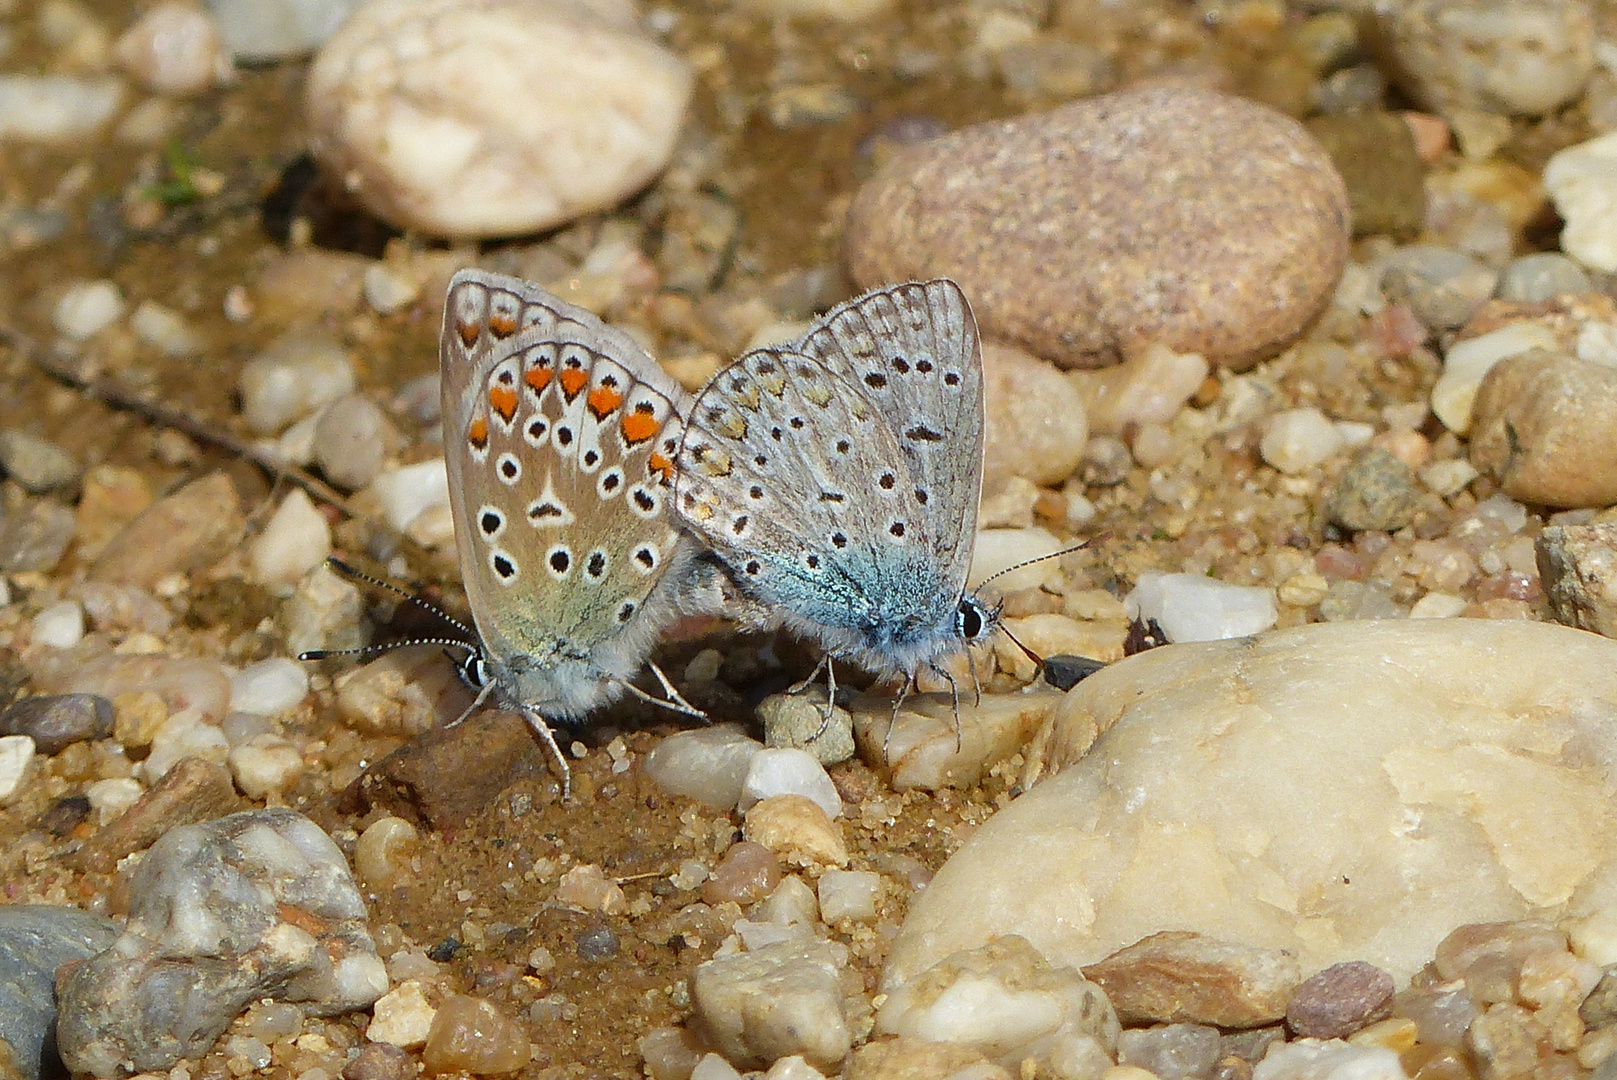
1376, 492
36, 939
56, 721
1202, 221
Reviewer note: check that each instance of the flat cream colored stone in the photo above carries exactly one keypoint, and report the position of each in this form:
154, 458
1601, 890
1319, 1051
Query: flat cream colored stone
1346, 791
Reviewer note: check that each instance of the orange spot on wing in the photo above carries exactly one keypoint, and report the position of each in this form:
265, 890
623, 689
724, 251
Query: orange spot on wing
502, 326
604, 400
468, 330
639, 426
538, 378
477, 433
572, 381
503, 400
660, 465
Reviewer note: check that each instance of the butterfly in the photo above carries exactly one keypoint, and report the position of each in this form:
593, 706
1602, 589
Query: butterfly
559, 436
838, 477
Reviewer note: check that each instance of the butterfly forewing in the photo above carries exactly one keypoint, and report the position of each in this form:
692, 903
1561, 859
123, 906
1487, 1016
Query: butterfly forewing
913, 351
559, 436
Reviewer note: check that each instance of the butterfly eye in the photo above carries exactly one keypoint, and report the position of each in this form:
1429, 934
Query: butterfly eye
969, 620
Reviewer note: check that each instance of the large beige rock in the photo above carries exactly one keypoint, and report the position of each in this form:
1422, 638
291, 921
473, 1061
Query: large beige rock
1345, 791
1542, 425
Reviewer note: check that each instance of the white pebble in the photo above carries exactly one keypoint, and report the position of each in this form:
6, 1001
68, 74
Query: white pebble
714, 1067
401, 1016
295, 540
60, 626
387, 290
382, 854
1582, 180
848, 894
1190, 607
292, 378
239, 727
173, 48
265, 765
110, 798
86, 308
16, 751
512, 143
1466, 364
706, 764
56, 108
269, 687
1296, 440
406, 492
1597, 343
788, 771
183, 735
1311, 1059
1436, 605
1001, 549
260, 30
165, 330
1449, 476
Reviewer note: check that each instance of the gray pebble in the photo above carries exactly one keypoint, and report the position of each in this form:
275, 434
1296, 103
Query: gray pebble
56, 721
35, 939
1599, 1009
796, 720
352, 441
1340, 1000
221, 914
1541, 276
1376, 492
37, 464
35, 536
1065, 672
1442, 286
597, 943
1577, 565
1171, 1051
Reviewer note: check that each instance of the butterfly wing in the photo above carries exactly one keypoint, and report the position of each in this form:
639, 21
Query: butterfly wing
913, 351
559, 434
797, 482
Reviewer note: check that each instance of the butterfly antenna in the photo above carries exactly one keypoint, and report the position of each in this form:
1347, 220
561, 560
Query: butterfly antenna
350, 571
1043, 558
386, 647
1038, 661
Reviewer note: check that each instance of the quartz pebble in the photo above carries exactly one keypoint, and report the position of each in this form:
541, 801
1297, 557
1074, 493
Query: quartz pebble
1034, 421
411, 492
388, 290
1443, 286
1468, 361
797, 828
56, 108
382, 854
1310, 1059
60, 626
260, 30
402, 1017
296, 539
1264, 716
165, 330
586, 888
1541, 426
706, 764
848, 894
292, 378
1296, 440
474, 1036
265, 765
37, 464
1541, 276
1170, 1051
929, 745
1000, 549
788, 771
36, 939
1577, 565
57, 721
1510, 57
173, 48
1184, 977
1194, 607
16, 751
268, 893
86, 308
1067, 228
747, 873
1581, 181
510, 144
352, 440
1007, 1002
781, 1000
1149, 387
324, 612
35, 536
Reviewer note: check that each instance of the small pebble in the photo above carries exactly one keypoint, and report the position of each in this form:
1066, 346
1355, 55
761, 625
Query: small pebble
473, 1035
586, 888
1170, 1051
292, 378
173, 49
165, 330
1193, 607
382, 855
379, 1061
265, 765
1035, 425
1541, 276
747, 873
848, 894
60, 626
388, 290
110, 798
1376, 492
1468, 361
788, 771
1310, 1059
401, 1017
56, 721
16, 751
1541, 424
409, 492
295, 540
1443, 286
352, 440
1149, 387
706, 764
1340, 1000
1064, 672
1296, 440
1582, 180
596, 944
85, 308
260, 30
780, 1000
56, 108
798, 829
37, 464
269, 687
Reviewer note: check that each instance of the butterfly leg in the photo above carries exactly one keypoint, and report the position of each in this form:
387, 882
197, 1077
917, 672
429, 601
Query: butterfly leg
976, 684
804, 684
893, 721
542, 729
672, 701
954, 694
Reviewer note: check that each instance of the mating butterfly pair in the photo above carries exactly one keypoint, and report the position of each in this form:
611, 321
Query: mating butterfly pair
830, 484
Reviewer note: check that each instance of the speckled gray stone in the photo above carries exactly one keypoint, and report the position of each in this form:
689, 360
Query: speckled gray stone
35, 939
1202, 221
1376, 492
35, 536
56, 721
1577, 565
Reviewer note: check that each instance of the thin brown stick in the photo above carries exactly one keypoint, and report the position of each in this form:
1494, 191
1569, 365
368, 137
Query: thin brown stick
111, 394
